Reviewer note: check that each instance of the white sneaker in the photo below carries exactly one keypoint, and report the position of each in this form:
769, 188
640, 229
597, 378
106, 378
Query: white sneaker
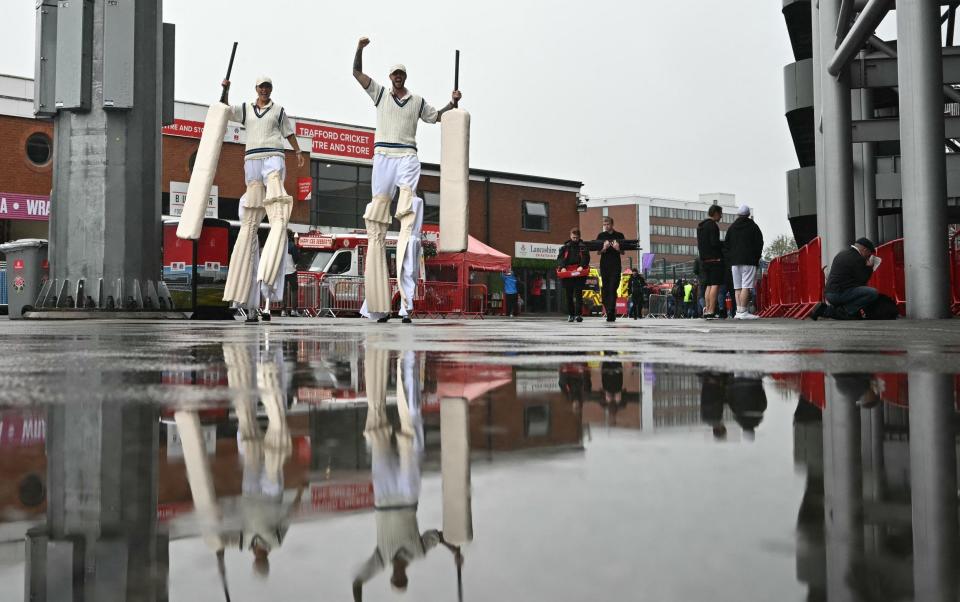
746, 316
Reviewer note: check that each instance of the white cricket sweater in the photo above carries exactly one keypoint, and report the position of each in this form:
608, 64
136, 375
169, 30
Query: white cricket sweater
397, 120
266, 128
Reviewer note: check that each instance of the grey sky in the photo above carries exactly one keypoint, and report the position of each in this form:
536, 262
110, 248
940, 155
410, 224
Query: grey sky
656, 97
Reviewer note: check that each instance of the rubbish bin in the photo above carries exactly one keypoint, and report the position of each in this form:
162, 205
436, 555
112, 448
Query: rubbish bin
27, 271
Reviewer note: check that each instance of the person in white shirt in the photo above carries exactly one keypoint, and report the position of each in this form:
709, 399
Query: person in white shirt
395, 166
266, 124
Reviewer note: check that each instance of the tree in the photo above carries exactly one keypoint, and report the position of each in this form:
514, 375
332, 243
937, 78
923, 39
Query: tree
781, 245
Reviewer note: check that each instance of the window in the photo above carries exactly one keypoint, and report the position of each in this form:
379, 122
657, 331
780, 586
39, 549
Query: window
431, 207
340, 193
313, 262
673, 231
340, 263
536, 216
536, 421
670, 249
39, 149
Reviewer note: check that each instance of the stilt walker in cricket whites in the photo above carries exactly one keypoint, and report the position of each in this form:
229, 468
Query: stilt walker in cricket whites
395, 166
266, 125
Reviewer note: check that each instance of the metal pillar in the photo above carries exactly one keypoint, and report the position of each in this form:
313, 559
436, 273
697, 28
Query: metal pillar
105, 230
843, 490
933, 486
864, 171
833, 137
924, 179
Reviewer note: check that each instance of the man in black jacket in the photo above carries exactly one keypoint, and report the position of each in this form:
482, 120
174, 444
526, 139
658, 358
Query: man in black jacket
846, 289
743, 246
637, 287
610, 267
711, 259
574, 254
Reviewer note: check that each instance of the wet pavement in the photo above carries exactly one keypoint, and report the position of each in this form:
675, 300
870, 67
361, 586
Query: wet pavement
497, 459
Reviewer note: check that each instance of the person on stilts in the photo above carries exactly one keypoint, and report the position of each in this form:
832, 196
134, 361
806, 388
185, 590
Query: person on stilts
395, 166
266, 124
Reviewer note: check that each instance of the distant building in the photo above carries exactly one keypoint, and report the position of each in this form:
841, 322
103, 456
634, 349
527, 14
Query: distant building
665, 227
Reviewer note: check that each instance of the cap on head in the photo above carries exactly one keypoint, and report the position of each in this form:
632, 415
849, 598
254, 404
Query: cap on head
743, 210
263, 79
866, 242
398, 67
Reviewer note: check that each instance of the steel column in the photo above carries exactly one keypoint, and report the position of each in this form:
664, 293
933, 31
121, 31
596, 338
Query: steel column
832, 134
933, 486
864, 172
924, 177
871, 16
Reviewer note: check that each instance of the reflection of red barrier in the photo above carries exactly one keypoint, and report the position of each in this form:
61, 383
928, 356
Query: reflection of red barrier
888, 279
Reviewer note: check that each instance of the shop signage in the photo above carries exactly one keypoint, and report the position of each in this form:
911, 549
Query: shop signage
535, 382
535, 250
178, 197
337, 142
22, 429
23, 206
185, 128
304, 188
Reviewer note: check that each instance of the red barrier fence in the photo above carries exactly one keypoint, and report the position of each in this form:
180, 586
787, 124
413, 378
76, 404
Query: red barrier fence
888, 278
794, 282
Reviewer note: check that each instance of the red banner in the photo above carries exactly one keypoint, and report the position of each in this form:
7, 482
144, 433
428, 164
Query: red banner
23, 206
22, 428
304, 188
338, 141
184, 128
340, 497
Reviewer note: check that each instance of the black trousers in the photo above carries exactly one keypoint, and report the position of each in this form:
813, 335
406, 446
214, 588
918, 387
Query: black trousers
573, 292
511, 304
610, 282
636, 310
291, 281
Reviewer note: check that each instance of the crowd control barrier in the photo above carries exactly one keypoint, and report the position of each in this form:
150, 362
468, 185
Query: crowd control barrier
794, 283
658, 305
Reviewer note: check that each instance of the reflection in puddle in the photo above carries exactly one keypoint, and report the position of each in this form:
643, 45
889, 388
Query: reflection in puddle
376, 466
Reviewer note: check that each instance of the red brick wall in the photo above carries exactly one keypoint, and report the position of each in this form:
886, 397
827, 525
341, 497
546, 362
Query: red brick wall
624, 220
18, 174
176, 168
506, 213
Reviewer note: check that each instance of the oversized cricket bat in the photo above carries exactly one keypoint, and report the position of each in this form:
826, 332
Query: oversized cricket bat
454, 175
455, 470
205, 166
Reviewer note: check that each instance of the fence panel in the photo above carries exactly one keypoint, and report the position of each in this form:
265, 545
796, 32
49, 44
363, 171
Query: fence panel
658, 306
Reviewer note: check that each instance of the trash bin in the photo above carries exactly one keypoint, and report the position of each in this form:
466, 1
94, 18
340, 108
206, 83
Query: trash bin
27, 271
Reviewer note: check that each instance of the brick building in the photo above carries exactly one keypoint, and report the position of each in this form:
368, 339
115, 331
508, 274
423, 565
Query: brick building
516, 214
666, 228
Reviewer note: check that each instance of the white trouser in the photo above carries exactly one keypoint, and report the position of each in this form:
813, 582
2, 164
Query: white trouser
389, 175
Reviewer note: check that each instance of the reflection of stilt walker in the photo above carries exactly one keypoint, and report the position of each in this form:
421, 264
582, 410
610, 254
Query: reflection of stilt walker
396, 472
266, 125
396, 170
265, 516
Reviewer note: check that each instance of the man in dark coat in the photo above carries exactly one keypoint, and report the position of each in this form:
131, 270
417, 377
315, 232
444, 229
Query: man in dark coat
743, 247
711, 259
638, 287
610, 266
846, 290
574, 254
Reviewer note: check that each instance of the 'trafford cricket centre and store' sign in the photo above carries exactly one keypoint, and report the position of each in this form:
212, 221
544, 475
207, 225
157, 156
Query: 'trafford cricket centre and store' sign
337, 141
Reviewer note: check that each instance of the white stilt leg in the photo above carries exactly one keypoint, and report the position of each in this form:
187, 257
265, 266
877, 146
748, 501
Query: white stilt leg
278, 205
238, 274
375, 274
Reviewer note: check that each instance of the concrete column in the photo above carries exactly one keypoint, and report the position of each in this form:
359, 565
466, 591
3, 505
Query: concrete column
105, 214
920, 72
864, 171
933, 486
833, 136
843, 490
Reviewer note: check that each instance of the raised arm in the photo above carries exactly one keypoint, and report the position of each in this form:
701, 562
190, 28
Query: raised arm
358, 73
456, 96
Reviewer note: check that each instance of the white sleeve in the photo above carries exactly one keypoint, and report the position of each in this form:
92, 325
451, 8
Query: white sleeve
375, 91
286, 128
236, 113
427, 113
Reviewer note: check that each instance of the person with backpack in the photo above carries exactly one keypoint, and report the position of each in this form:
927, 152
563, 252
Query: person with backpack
846, 291
743, 247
